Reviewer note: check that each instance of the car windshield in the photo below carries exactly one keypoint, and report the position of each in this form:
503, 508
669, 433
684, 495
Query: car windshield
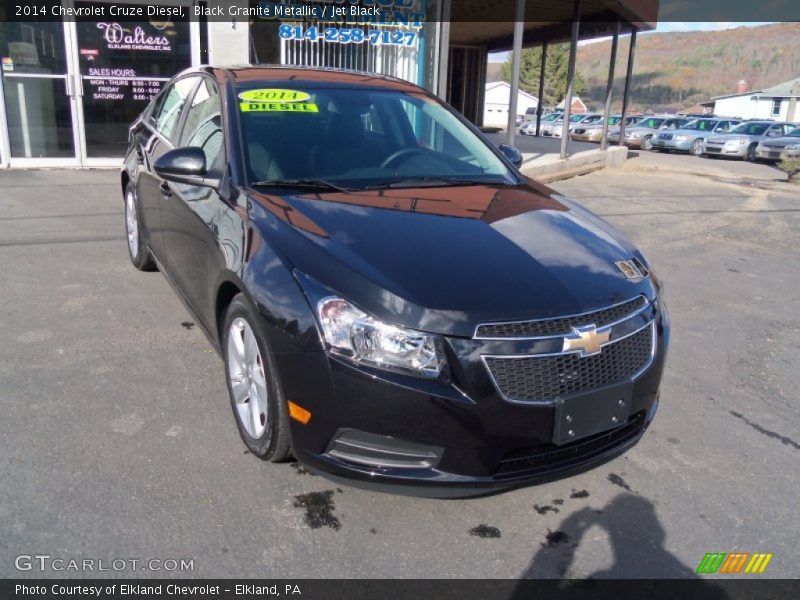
672, 124
650, 123
576, 118
358, 138
593, 119
751, 128
550, 117
700, 125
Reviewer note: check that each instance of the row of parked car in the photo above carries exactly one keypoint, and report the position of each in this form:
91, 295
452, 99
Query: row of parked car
702, 136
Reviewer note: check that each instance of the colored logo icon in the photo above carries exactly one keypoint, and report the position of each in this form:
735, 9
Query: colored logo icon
734, 562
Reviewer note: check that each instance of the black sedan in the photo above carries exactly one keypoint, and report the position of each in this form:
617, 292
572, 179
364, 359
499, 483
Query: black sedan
394, 301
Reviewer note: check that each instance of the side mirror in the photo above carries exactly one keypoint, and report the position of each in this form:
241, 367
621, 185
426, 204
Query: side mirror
185, 165
512, 154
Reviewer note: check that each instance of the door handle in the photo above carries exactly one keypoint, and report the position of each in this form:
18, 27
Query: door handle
165, 191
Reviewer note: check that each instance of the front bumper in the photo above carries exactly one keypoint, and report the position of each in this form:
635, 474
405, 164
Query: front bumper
633, 142
460, 438
722, 150
672, 144
773, 154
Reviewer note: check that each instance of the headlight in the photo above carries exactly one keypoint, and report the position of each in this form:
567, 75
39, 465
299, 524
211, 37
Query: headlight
792, 147
634, 134
736, 142
361, 338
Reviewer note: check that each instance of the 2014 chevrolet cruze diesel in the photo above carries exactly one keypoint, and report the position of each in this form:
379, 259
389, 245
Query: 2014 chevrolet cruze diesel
394, 302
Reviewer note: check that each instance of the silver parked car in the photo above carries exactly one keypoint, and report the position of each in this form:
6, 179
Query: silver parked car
594, 131
613, 129
529, 127
690, 137
774, 149
641, 134
555, 128
742, 140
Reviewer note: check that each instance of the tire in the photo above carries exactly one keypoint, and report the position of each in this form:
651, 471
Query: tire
138, 251
647, 143
697, 147
751, 153
255, 393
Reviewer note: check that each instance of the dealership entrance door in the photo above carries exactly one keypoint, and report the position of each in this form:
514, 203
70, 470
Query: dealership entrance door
71, 89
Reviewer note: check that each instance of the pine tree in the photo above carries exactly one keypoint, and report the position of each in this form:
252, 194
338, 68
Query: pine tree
555, 72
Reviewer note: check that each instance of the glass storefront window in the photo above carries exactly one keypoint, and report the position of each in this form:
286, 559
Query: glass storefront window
39, 117
123, 66
401, 42
38, 109
32, 48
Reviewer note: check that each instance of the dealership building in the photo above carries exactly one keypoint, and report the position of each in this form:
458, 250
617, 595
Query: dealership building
75, 76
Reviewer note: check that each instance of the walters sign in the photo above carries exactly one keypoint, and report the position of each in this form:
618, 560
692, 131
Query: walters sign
119, 38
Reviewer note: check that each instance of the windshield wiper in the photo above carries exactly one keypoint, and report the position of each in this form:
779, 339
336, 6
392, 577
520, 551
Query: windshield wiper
321, 184
425, 180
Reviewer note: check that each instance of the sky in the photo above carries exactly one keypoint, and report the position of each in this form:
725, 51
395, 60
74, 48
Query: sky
663, 27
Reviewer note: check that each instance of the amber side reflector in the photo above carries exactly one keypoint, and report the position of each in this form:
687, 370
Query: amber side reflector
298, 413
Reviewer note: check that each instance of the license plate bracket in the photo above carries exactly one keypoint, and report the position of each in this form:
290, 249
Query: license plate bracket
587, 414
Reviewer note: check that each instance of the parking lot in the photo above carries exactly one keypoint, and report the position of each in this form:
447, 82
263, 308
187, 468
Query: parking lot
118, 440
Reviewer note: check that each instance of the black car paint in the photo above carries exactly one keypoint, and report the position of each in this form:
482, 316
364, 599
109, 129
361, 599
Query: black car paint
528, 253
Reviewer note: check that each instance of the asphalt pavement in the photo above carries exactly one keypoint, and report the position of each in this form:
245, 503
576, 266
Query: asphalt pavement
117, 440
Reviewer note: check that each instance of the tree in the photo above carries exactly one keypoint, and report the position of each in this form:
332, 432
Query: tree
791, 166
555, 73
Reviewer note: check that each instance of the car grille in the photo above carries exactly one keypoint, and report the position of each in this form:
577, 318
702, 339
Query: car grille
547, 377
665, 136
562, 325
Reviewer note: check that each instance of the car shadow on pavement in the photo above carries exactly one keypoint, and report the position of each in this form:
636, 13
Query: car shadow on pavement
637, 541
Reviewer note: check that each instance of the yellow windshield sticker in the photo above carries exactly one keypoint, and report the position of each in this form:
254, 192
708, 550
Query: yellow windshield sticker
274, 95
300, 107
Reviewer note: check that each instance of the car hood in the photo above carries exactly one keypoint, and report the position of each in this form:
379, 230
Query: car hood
726, 137
780, 142
638, 128
444, 259
690, 132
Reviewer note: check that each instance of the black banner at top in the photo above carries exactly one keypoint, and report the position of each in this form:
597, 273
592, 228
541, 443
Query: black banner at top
544, 11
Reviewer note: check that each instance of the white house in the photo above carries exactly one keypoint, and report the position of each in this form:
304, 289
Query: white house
498, 97
778, 102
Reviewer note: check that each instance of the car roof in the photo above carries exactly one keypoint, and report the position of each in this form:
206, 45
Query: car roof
310, 76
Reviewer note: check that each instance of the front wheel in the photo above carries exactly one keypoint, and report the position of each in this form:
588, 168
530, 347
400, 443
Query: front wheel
697, 147
258, 406
751, 153
138, 251
647, 144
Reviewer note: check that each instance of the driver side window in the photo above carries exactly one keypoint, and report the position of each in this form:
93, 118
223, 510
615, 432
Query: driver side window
203, 125
167, 114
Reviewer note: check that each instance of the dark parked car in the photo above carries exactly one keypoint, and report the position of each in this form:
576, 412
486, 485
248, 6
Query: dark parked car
394, 301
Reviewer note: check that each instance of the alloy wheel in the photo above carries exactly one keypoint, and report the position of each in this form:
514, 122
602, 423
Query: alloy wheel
247, 379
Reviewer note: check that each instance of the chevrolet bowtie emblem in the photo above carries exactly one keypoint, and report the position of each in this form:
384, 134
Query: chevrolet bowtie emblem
587, 340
